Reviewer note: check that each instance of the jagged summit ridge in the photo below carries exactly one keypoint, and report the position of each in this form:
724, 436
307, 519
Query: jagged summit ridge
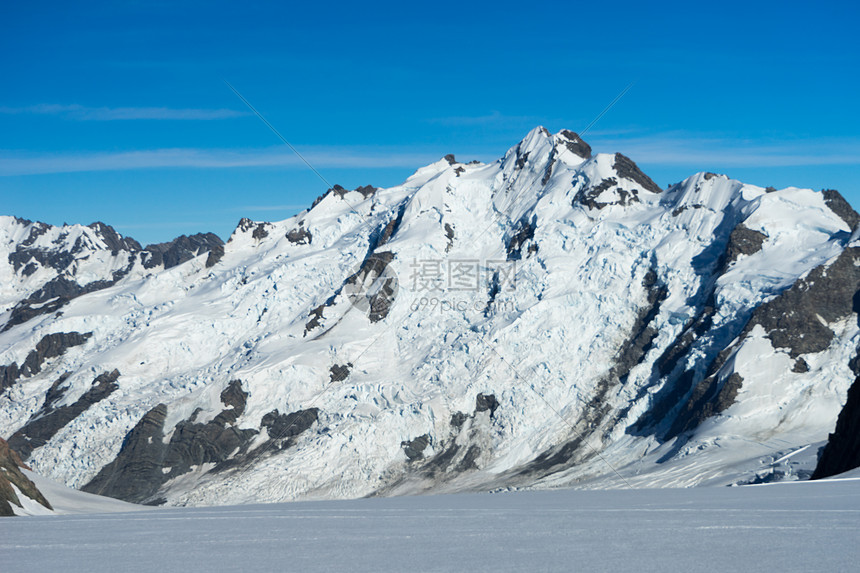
479, 326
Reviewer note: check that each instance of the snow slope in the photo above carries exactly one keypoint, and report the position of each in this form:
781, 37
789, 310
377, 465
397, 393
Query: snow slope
808, 526
67, 501
550, 319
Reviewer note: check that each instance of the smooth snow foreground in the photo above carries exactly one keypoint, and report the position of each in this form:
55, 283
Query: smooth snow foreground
798, 526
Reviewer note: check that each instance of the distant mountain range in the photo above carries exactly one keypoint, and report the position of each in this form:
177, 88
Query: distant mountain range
554, 318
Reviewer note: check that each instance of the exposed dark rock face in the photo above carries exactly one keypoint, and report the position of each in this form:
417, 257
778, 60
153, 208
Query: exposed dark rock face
800, 366
743, 241
50, 419
625, 168
522, 237
245, 224
575, 144
338, 190
710, 397
181, 249
339, 372
300, 235
386, 233
793, 320
677, 211
379, 301
521, 158
56, 293
549, 165
458, 419
842, 452
215, 255
365, 190
486, 402
260, 232
383, 299
135, 474
414, 449
796, 320
449, 234
642, 333
283, 427
841, 207
11, 474
315, 317
450, 159
114, 241
61, 257
8, 376
50, 346
665, 366
145, 462
589, 195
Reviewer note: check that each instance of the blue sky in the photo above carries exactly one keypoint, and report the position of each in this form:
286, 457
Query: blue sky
119, 113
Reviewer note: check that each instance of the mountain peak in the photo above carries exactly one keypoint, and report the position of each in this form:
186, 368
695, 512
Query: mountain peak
426, 337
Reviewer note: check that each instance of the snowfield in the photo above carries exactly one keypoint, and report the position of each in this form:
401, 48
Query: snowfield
800, 526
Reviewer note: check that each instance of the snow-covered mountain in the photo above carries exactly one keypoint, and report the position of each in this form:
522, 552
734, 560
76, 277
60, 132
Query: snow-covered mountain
553, 318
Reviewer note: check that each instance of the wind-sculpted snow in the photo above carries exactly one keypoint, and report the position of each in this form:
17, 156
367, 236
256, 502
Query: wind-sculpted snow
628, 335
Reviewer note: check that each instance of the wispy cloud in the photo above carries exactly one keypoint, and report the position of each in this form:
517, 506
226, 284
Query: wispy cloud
703, 152
669, 149
83, 113
12, 163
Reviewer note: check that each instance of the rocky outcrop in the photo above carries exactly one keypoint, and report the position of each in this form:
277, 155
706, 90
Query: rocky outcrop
589, 196
51, 418
743, 241
837, 203
146, 462
575, 144
842, 452
414, 449
136, 473
626, 168
56, 293
523, 236
300, 235
11, 474
798, 319
486, 403
181, 249
282, 428
50, 346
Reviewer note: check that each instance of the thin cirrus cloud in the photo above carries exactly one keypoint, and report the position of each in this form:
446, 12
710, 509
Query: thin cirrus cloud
83, 113
190, 158
679, 149
697, 153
